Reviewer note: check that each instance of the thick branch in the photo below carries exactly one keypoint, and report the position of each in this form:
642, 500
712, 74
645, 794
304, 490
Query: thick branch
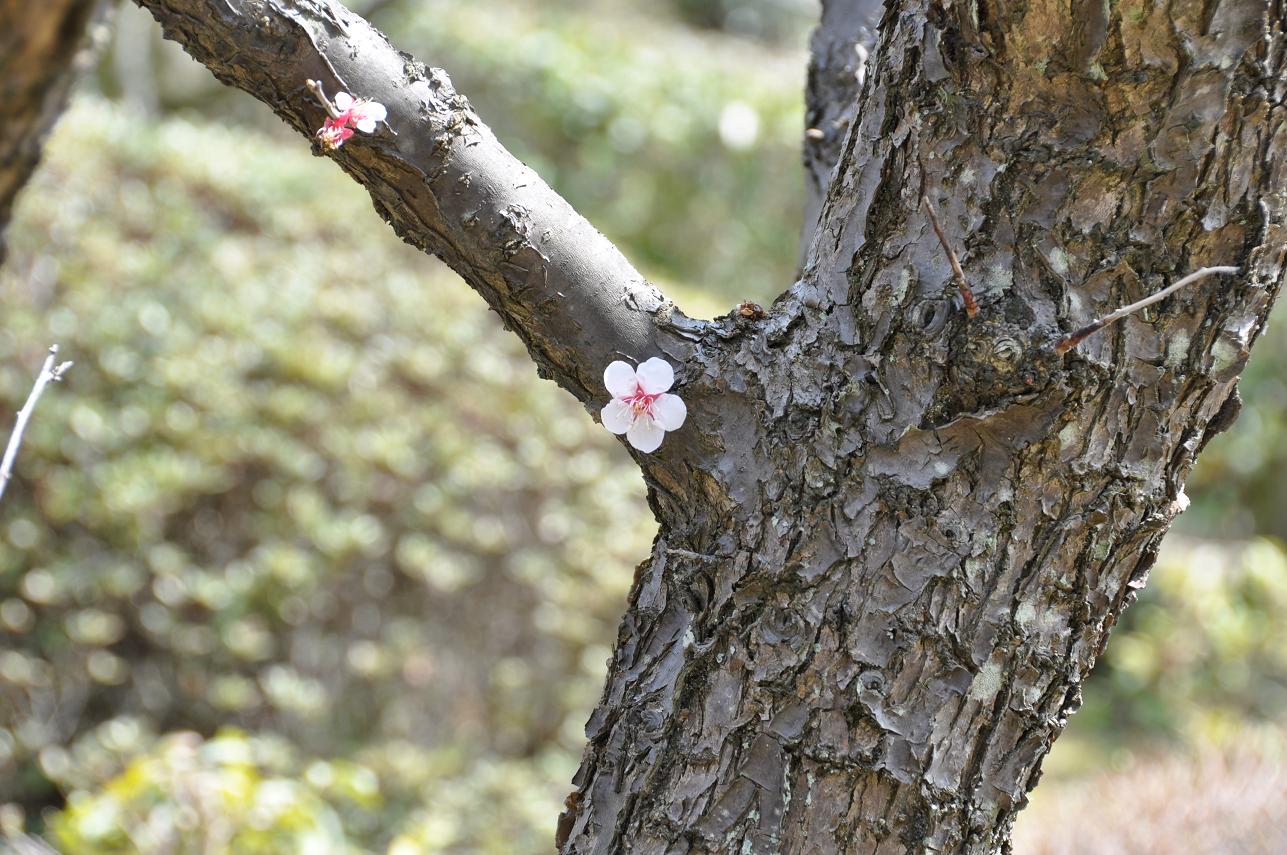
439, 177
38, 47
838, 49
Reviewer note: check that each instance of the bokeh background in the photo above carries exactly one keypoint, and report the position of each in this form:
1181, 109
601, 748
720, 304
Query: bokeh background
303, 558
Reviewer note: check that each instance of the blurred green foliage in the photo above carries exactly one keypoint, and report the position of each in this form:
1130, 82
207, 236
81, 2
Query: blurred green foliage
710, 128
682, 147
300, 483
1202, 656
231, 794
1237, 487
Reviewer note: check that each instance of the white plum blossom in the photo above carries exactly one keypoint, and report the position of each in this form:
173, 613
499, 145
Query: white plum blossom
640, 406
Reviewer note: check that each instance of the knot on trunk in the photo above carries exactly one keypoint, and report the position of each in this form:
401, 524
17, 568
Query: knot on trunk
993, 362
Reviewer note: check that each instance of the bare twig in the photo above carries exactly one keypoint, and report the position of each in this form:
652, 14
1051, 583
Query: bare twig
1073, 339
967, 296
315, 86
49, 373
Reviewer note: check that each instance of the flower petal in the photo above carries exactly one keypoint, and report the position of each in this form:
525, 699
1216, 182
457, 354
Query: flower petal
619, 377
333, 135
645, 434
366, 125
375, 111
617, 416
655, 375
343, 101
669, 412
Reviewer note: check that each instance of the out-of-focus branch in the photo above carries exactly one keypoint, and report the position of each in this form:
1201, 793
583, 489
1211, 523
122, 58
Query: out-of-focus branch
439, 177
838, 52
22, 844
39, 45
51, 372
375, 7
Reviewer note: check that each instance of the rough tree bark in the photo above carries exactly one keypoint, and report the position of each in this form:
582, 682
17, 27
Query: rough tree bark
932, 523
39, 44
892, 539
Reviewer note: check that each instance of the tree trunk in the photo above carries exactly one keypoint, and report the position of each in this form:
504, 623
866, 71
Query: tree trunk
894, 537
927, 524
39, 43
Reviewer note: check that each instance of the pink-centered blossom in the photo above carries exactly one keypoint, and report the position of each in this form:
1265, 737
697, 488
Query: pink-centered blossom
352, 113
640, 406
333, 133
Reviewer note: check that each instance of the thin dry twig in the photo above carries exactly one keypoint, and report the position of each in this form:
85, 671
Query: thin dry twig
967, 296
49, 373
1075, 338
315, 86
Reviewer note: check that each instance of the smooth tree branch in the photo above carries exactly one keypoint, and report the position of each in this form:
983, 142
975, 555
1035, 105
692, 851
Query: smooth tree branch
51, 372
441, 179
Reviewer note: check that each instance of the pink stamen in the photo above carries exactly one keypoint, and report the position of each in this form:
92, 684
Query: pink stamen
640, 401
334, 132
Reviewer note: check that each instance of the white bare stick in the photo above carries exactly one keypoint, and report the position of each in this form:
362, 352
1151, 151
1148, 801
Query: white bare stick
1073, 339
315, 86
49, 373
1166, 292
